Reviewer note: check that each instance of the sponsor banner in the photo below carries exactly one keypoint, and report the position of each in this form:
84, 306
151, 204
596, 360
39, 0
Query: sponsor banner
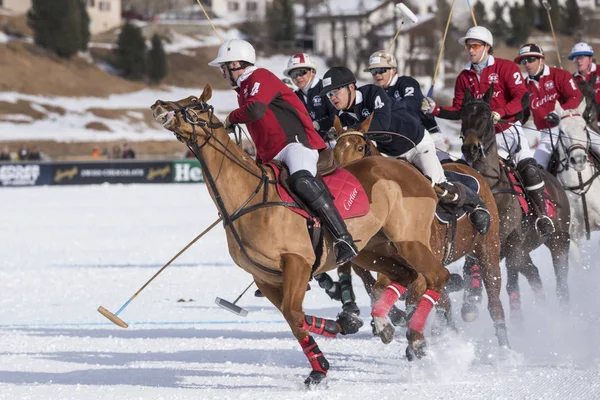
187, 171
25, 174
112, 172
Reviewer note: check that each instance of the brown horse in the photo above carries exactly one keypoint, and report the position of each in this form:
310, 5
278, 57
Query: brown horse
353, 145
518, 235
270, 241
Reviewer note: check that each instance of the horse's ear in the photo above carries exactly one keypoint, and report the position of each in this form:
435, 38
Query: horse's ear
364, 127
337, 125
581, 107
487, 97
467, 97
558, 109
206, 94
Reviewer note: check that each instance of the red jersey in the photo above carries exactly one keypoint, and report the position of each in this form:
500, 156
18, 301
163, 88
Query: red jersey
274, 115
554, 85
594, 70
509, 88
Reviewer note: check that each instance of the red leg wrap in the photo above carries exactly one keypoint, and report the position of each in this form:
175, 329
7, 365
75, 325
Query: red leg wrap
475, 277
386, 301
321, 326
417, 321
317, 360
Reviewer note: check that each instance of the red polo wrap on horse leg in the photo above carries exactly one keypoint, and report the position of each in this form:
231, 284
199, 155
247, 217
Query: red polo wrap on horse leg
428, 300
317, 360
388, 298
321, 326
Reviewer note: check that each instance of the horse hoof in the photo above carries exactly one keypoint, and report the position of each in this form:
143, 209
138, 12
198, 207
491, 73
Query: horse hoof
349, 322
502, 335
351, 308
316, 378
258, 293
455, 283
469, 312
398, 317
415, 350
385, 330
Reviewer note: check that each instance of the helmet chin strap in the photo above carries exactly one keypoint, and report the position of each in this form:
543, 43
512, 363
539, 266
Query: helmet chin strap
229, 73
483, 56
350, 100
389, 80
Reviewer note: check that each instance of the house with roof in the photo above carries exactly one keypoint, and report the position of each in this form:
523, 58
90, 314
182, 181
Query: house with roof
347, 32
104, 14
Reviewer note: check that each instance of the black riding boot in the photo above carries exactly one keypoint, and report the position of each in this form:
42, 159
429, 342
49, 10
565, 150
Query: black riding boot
463, 196
318, 199
534, 185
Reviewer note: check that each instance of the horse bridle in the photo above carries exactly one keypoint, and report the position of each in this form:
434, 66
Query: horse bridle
564, 163
362, 135
483, 151
208, 126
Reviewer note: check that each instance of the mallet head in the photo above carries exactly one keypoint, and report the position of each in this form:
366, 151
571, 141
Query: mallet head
229, 306
112, 317
405, 11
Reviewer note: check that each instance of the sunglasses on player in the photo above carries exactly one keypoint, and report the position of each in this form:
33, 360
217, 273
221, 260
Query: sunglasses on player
529, 60
298, 72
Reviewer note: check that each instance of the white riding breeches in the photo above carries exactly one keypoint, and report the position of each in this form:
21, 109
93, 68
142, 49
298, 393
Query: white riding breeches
543, 152
298, 157
441, 146
508, 142
424, 157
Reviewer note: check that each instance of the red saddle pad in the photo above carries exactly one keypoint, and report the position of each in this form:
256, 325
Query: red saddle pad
550, 207
349, 196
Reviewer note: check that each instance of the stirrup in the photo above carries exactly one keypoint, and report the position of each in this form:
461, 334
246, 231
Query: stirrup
549, 224
345, 253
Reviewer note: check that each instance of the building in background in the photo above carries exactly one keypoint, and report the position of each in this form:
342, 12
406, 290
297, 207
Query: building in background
104, 14
239, 9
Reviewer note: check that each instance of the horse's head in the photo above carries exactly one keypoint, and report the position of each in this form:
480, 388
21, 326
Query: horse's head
573, 143
590, 114
477, 128
183, 117
352, 144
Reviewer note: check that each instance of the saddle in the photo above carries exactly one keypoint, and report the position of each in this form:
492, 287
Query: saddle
350, 198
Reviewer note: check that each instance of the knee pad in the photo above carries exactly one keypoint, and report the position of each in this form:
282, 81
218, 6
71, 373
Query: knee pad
531, 174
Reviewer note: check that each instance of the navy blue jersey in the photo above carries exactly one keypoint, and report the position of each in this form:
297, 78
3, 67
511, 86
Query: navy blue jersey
406, 89
319, 108
388, 116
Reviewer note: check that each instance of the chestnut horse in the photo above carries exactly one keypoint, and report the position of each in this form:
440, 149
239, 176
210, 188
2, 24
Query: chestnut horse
271, 242
355, 145
518, 235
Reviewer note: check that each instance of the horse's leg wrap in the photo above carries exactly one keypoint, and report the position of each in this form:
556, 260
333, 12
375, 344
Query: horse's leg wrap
321, 326
389, 296
417, 321
317, 360
331, 288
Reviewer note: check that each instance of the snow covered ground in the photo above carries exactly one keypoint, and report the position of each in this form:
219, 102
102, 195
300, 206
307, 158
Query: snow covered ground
67, 250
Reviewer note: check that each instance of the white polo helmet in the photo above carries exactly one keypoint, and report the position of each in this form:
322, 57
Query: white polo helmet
299, 60
234, 50
581, 49
381, 59
478, 33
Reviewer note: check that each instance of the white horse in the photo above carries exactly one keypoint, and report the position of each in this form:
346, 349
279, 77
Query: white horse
578, 173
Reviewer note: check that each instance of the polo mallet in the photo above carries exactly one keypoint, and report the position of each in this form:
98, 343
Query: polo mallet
114, 318
437, 66
209, 20
232, 306
548, 7
472, 13
404, 12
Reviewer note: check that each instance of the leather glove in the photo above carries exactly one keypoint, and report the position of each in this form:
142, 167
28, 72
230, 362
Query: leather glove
316, 126
428, 105
552, 119
229, 127
496, 117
